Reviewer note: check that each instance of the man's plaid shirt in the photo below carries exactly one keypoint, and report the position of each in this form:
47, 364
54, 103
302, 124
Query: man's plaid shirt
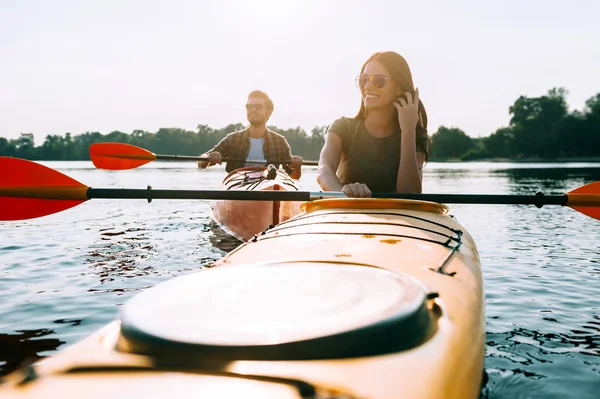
237, 145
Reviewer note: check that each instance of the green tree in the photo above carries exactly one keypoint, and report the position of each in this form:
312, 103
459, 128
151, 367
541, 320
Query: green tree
499, 143
25, 146
450, 143
591, 143
533, 123
7, 147
592, 106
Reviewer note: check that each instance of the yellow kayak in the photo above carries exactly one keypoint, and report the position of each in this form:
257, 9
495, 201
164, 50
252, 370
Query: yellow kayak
352, 298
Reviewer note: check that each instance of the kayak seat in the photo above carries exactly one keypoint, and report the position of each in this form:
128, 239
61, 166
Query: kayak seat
279, 311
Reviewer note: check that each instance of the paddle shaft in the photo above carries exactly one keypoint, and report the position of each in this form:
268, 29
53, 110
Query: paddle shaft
193, 158
149, 194
29, 190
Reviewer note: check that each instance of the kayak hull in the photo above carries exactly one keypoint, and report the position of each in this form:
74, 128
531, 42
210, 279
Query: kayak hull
244, 219
365, 249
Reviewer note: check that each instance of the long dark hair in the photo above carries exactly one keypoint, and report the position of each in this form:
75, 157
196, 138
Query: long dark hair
400, 73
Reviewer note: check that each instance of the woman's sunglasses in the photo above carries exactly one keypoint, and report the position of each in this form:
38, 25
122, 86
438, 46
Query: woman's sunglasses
378, 79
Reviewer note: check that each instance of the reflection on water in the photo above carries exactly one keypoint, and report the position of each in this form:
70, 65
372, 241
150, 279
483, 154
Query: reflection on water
535, 343
25, 346
120, 253
545, 175
553, 181
220, 239
550, 181
530, 364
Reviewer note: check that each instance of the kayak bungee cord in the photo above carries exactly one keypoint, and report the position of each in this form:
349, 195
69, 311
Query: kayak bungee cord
297, 222
245, 179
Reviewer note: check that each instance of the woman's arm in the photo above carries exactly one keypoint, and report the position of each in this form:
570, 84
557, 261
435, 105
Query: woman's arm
329, 160
409, 180
410, 176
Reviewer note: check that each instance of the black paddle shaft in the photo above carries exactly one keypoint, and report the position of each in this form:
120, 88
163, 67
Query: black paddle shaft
193, 158
538, 200
149, 194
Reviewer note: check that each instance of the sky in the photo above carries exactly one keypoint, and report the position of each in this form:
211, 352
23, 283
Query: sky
78, 66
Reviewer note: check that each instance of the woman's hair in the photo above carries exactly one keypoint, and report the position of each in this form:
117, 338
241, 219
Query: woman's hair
399, 72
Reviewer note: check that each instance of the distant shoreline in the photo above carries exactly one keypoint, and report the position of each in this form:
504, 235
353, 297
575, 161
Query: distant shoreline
491, 160
525, 160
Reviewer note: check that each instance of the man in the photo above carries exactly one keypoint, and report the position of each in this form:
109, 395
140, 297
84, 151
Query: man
256, 142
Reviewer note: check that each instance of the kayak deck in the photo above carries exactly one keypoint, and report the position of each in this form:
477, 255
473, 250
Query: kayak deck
353, 298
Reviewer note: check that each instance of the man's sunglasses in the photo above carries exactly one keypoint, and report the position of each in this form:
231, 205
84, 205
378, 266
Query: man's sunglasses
378, 79
258, 107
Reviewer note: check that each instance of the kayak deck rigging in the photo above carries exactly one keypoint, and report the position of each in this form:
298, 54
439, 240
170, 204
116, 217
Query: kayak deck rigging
248, 180
453, 239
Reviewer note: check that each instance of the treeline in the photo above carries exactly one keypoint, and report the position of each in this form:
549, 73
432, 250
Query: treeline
167, 141
540, 127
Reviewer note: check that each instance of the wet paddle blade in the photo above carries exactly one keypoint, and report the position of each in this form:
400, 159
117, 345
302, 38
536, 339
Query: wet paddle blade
119, 156
25, 187
586, 199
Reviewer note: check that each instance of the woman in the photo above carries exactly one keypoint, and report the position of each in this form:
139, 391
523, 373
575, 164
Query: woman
383, 148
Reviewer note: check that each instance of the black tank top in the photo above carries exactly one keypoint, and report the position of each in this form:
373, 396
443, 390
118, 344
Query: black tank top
366, 159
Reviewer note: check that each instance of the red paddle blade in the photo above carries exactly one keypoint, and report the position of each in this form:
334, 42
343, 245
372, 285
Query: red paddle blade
29, 190
119, 156
586, 199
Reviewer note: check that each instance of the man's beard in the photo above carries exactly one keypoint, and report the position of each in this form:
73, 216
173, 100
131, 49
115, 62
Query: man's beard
256, 122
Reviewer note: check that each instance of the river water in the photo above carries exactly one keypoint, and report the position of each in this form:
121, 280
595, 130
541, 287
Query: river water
65, 275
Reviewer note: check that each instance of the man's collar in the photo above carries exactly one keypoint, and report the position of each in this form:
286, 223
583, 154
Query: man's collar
246, 132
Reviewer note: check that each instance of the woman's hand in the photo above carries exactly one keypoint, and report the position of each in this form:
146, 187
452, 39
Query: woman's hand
408, 112
356, 190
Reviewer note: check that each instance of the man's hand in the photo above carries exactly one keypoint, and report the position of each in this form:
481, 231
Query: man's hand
296, 162
214, 158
